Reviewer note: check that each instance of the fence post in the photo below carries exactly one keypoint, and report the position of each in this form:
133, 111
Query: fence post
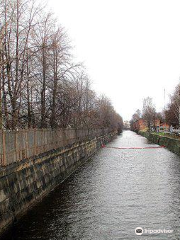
27, 145
16, 147
4, 149
34, 148
44, 140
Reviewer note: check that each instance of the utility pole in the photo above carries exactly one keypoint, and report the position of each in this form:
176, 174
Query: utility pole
179, 107
165, 107
1, 50
179, 116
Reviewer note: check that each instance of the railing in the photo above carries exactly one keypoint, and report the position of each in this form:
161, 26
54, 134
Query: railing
176, 131
21, 144
172, 131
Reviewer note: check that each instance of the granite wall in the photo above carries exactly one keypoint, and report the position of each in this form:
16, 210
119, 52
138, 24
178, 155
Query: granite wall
24, 183
170, 143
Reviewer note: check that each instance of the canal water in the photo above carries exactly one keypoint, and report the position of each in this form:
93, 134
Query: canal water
110, 196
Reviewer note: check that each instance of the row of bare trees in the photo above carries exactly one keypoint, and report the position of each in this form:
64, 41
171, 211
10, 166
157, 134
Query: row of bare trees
148, 114
172, 111
170, 114
40, 86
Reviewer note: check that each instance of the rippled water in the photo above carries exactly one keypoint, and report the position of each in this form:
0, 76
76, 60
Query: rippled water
111, 195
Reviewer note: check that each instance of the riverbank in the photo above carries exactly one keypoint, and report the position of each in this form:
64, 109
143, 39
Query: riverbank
24, 183
115, 189
170, 143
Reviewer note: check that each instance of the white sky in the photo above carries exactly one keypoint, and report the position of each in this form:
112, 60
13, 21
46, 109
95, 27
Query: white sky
131, 48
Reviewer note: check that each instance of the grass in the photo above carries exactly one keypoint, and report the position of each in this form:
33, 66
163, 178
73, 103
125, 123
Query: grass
173, 136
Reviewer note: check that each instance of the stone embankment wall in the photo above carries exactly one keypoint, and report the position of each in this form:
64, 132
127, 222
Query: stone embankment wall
24, 183
172, 144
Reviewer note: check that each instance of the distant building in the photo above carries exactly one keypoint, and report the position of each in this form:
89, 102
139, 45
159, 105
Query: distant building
157, 125
126, 125
164, 126
139, 125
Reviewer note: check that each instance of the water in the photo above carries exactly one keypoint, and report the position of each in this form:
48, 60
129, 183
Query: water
111, 195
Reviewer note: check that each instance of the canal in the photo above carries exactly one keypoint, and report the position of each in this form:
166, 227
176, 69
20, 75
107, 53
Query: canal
110, 196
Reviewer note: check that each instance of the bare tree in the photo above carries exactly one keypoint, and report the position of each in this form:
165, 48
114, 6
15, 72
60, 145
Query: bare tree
40, 85
149, 112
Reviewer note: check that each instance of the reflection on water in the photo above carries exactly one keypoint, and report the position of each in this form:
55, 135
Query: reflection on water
111, 195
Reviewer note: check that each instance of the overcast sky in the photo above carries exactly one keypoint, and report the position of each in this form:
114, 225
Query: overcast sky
131, 48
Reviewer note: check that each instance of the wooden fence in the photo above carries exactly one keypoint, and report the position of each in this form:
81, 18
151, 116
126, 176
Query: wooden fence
21, 144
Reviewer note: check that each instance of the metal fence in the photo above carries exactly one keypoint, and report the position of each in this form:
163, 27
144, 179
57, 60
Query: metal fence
21, 144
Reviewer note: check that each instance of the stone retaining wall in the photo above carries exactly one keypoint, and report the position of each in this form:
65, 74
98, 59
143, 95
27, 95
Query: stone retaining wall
172, 144
24, 183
